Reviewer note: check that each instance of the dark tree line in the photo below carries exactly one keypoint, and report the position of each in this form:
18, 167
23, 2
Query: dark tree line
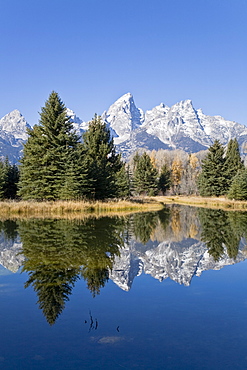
9, 177
223, 173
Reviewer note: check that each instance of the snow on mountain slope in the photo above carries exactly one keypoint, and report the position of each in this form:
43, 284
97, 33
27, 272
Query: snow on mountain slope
13, 133
14, 124
79, 125
178, 127
123, 117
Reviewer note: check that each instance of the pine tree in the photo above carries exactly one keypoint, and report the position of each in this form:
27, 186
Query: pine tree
101, 159
212, 180
145, 175
43, 170
12, 176
238, 187
164, 179
123, 182
233, 162
74, 178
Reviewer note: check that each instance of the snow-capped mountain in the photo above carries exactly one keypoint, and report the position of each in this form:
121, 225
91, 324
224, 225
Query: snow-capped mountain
123, 117
178, 127
79, 125
13, 133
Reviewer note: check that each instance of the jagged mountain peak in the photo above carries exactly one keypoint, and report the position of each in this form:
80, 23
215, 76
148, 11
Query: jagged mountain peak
79, 125
15, 124
180, 126
183, 106
123, 117
72, 116
126, 97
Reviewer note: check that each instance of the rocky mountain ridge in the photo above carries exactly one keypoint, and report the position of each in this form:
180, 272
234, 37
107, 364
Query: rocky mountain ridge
178, 127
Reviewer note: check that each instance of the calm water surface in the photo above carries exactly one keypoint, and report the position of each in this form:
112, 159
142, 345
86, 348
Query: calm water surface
164, 290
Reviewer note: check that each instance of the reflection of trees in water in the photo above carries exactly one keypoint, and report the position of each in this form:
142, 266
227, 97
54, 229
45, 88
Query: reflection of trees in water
9, 229
53, 287
222, 229
59, 252
144, 225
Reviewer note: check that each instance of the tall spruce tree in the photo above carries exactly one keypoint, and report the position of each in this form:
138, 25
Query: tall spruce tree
123, 182
212, 181
238, 187
164, 179
9, 177
44, 166
233, 162
145, 175
101, 159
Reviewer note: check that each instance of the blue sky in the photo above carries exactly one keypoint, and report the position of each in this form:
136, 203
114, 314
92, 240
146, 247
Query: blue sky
93, 51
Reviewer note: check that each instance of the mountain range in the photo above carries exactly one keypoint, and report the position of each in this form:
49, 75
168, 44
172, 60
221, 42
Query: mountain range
178, 127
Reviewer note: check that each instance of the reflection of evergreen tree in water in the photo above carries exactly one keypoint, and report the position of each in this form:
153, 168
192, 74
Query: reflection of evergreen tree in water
238, 221
58, 252
164, 217
144, 224
53, 286
9, 228
96, 278
219, 230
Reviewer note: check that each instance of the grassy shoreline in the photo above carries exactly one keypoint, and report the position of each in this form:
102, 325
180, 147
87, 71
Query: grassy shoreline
76, 209
197, 201
82, 209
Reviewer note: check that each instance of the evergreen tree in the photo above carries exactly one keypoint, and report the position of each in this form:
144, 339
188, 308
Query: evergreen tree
238, 187
102, 161
12, 176
145, 175
164, 179
212, 180
123, 182
233, 162
43, 169
74, 178
9, 177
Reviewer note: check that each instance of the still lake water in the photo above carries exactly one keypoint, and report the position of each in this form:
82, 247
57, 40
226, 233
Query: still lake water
164, 290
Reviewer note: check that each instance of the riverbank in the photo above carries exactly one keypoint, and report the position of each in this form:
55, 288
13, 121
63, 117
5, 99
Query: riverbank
81, 209
76, 209
197, 201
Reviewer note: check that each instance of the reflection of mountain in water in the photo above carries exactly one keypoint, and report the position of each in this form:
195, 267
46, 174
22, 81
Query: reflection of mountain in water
190, 242
177, 243
10, 246
179, 261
